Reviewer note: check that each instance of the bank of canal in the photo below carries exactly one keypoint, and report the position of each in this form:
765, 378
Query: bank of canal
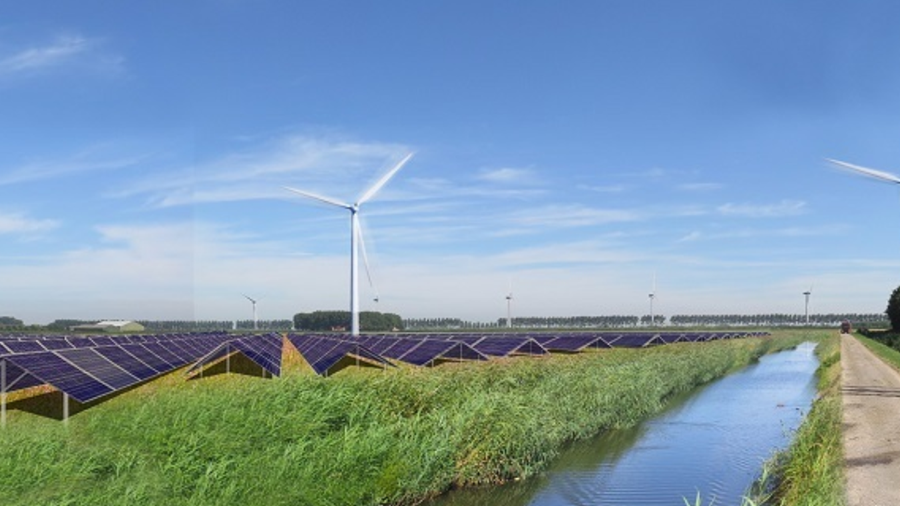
713, 440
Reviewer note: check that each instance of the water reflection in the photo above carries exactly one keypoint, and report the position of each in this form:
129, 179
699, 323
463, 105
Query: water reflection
712, 441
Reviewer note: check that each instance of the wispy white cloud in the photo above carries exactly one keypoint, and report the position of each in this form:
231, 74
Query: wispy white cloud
693, 236
699, 187
508, 175
333, 167
571, 216
92, 159
777, 210
73, 51
612, 188
18, 223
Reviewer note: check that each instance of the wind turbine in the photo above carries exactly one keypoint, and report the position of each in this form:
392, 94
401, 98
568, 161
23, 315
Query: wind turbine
652, 296
807, 294
252, 301
509, 298
355, 235
876, 174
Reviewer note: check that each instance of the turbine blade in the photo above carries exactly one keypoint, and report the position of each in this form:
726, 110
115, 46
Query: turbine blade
877, 174
320, 198
384, 179
362, 248
248, 298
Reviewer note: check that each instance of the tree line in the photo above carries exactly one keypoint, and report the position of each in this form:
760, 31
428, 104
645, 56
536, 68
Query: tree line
321, 321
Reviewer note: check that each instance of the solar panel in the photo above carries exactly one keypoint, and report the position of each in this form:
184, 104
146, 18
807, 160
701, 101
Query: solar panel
99, 367
430, 350
55, 344
571, 343
146, 356
177, 348
503, 346
322, 353
265, 350
127, 361
81, 342
24, 346
639, 340
399, 348
102, 341
18, 379
160, 350
62, 375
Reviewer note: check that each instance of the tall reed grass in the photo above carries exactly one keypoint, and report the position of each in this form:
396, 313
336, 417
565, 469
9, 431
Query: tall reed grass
359, 437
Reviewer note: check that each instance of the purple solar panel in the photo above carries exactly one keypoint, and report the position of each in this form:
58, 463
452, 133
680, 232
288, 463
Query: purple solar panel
18, 379
56, 344
99, 367
400, 347
431, 350
146, 356
127, 361
29, 346
503, 346
323, 353
572, 343
637, 340
160, 350
62, 375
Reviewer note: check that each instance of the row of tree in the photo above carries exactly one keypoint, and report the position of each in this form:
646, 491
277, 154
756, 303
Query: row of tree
626, 321
8, 322
379, 322
319, 321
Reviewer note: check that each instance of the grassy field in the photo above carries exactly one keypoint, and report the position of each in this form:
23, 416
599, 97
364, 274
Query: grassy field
360, 437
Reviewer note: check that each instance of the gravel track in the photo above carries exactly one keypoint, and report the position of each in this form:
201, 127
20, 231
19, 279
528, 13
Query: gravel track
871, 401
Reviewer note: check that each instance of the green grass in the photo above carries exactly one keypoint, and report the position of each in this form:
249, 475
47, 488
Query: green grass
359, 437
885, 352
810, 472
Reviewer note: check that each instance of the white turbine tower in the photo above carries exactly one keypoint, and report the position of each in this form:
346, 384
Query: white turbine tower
355, 235
252, 301
807, 294
509, 298
652, 296
876, 174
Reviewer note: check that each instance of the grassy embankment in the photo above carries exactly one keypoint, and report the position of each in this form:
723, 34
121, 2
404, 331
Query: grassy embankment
360, 437
810, 471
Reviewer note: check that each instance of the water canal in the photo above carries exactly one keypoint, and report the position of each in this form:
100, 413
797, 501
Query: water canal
713, 440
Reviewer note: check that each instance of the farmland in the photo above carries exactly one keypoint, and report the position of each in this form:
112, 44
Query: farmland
364, 436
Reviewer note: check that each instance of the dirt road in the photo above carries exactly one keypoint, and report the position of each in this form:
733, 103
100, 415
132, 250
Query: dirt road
871, 398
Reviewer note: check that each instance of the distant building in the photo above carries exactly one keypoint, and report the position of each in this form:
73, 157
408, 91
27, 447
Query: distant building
109, 326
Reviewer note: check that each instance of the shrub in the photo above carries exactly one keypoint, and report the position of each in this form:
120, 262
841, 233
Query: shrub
893, 309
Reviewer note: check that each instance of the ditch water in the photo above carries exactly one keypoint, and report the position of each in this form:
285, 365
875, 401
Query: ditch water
713, 440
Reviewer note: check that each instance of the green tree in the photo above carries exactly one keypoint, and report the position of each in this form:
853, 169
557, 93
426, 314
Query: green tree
893, 309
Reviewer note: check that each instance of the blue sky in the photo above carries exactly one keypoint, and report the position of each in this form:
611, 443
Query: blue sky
572, 149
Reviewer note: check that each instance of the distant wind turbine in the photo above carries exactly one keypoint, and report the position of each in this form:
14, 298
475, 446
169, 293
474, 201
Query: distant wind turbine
876, 174
355, 236
652, 296
807, 294
509, 298
253, 301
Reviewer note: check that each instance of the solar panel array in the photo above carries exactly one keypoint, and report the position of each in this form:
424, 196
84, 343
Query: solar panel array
324, 351
88, 368
264, 350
